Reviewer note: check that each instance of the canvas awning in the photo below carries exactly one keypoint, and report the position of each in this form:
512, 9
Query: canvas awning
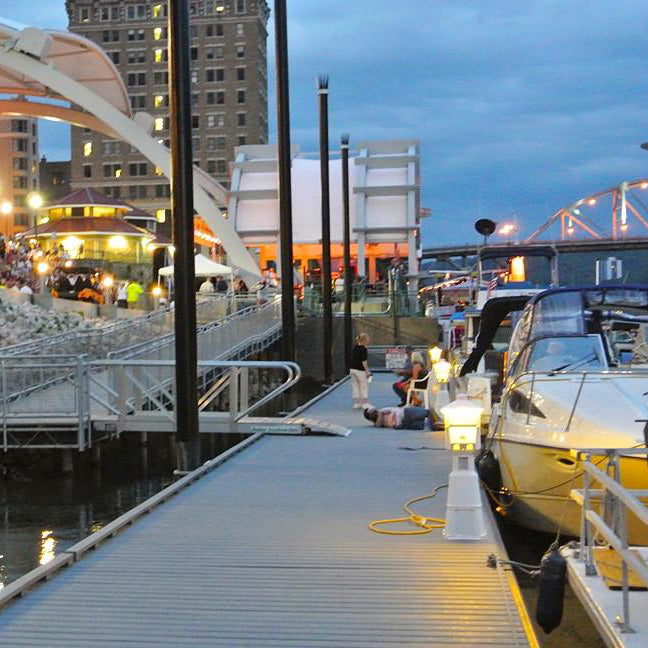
204, 268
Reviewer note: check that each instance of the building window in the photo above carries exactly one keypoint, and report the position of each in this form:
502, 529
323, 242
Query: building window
84, 14
159, 11
241, 140
136, 79
135, 12
114, 57
112, 170
160, 215
19, 145
240, 74
19, 164
221, 166
240, 96
240, 6
195, 143
214, 30
239, 29
161, 100
20, 182
214, 75
194, 53
158, 171
21, 219
240, 119
162, 191
195, 121
217, 98
216, 121
161, 78
138, 101
136, 56
194, 76
135, 35
110, 36
160, 55
138, 169
19, 126
195, 98
240, 51
87, 171
110, 147
87, 149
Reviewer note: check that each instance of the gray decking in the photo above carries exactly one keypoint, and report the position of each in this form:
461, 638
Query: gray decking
272, 549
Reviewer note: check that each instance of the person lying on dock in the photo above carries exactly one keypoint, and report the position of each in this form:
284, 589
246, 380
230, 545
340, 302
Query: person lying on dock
399, 418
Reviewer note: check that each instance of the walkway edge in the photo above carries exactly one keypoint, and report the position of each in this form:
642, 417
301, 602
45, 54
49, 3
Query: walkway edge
76, 552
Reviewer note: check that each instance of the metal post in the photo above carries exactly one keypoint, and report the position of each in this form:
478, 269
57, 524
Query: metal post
348, 278
322, 90
186, 393
285, 182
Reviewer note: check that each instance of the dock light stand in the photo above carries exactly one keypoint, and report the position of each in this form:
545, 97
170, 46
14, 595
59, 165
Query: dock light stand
464, 515
435, 354
441, 370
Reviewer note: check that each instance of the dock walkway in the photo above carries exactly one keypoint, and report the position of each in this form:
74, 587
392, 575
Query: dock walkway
272, 549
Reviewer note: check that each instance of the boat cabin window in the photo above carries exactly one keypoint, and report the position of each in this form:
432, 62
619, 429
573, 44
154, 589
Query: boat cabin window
567, 354
558, 314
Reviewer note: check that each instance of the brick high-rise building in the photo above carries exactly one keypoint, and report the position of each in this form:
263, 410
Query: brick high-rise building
229, 89
18, 173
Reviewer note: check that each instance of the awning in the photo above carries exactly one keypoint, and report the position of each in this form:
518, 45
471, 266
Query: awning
204, 268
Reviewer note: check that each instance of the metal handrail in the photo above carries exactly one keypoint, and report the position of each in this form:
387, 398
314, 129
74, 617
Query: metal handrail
617, 534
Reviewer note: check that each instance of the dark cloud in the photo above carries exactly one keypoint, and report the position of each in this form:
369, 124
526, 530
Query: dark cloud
521, 107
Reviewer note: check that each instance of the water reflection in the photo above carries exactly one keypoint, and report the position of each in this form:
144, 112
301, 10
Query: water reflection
47, 548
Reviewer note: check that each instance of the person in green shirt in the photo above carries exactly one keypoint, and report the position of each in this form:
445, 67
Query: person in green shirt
133, 291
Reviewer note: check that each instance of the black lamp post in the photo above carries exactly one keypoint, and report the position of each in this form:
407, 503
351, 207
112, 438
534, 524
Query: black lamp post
322, 91
186, 356
348, 278
285, 182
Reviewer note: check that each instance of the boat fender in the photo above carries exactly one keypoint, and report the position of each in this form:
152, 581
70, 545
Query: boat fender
553, 571
488, 469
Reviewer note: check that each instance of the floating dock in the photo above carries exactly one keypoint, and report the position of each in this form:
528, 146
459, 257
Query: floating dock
268, 545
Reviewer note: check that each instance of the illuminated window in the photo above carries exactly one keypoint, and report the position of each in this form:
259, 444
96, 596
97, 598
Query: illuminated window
159, 55
160, 101
159, 123
87, 149
157, 11
160, 215
158, 171
157, 33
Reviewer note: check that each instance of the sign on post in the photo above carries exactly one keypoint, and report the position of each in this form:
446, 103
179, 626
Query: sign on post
395, 358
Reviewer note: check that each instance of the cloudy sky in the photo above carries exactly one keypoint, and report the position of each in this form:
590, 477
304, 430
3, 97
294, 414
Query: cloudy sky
520, 106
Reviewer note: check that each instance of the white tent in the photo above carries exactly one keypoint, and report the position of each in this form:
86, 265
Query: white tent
204, 268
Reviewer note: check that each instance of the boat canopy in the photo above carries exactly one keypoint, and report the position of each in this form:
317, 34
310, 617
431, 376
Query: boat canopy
568, 312
501, 251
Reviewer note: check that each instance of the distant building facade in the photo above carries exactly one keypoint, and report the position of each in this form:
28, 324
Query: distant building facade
54, 179
18, 172
229, 90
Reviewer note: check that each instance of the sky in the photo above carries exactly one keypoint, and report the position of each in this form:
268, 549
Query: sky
521, 107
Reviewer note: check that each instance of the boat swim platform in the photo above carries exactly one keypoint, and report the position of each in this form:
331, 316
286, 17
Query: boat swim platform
268, 545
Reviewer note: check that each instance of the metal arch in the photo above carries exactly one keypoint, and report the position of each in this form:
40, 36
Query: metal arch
622, 206
205, 188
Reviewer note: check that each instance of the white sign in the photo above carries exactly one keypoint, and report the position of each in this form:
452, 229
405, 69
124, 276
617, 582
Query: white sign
395, 359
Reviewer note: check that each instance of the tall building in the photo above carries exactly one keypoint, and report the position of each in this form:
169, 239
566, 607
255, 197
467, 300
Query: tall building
228, 80
18, 173
54, 179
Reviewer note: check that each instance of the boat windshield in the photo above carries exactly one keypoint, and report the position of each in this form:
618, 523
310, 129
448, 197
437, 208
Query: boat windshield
567, 354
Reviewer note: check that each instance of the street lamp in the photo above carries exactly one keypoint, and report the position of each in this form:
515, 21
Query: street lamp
6, 208
464, 516
35, 202
43, 269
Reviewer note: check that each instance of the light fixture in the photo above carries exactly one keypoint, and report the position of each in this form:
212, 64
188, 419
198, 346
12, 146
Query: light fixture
435, 354
464, 516
117, 243
72, 244
6, 207
624, 227
442, 370
644, 185
171, 249
42, 268
157, 291
68, 264
35, 200
516, 269
107, 281
591, 201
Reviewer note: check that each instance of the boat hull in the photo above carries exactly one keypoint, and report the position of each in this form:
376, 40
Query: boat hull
541, 478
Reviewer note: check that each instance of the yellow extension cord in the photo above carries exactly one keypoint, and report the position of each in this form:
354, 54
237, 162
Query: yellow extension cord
426, 524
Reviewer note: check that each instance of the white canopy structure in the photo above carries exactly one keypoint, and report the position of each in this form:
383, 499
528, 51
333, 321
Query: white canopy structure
54, 64
384, 203
204, 268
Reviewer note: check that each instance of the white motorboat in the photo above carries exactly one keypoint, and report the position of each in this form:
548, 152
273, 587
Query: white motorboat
576, 377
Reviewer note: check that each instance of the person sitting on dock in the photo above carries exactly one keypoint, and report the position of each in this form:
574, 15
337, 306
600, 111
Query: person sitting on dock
414, 371
399, 418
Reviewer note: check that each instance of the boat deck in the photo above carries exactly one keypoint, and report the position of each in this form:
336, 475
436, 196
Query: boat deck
272, 549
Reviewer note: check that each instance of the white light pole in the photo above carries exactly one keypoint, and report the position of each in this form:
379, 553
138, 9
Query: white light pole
464, 515
35, 202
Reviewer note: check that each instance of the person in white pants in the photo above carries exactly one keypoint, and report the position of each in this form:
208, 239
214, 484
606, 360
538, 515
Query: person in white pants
360, 374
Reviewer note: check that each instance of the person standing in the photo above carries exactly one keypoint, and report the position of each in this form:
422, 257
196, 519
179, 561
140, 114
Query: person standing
360, 374
122, 295
134, 290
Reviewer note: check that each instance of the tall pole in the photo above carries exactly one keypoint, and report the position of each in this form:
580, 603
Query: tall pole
322, 90
348, 277
186, 356
285, 182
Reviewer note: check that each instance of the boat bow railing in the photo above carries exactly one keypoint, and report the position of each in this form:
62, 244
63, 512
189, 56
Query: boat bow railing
611, 524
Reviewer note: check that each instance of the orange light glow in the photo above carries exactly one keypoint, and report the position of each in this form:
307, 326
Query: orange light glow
517, 272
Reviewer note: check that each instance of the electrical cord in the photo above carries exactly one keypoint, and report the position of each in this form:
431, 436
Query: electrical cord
426, 524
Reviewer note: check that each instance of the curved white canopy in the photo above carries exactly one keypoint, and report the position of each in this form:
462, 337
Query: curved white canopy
75, 56
204, 268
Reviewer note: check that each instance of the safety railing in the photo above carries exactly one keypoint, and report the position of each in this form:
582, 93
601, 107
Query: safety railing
72, 393
611, 524
375, 303
243, 332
